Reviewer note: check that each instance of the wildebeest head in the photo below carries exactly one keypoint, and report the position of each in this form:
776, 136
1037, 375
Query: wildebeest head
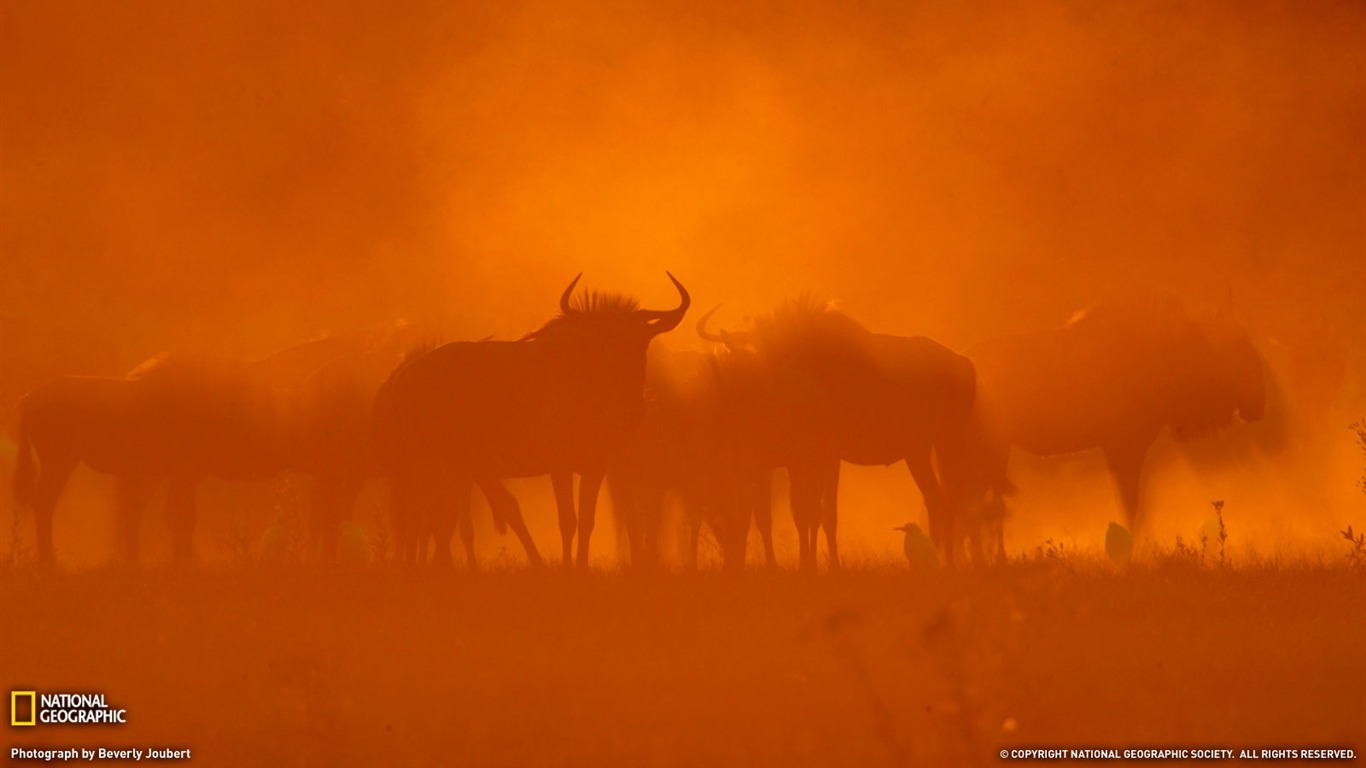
803, 346
605, 337
613, 316
737, 367
734, 340
804, 322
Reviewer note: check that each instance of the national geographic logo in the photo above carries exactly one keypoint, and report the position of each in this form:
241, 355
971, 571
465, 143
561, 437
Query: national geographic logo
33, 708
23, 708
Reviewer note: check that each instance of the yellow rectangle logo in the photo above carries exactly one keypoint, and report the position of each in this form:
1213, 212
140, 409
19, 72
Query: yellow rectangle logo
15, 697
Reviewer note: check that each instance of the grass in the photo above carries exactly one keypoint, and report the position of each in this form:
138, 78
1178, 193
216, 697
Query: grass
872, 665
1356, 554
1358, 428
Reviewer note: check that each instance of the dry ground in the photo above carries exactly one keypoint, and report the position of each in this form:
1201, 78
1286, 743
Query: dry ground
250, 665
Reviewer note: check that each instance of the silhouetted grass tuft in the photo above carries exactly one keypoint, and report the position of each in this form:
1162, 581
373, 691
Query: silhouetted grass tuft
1359, 427
1356, 556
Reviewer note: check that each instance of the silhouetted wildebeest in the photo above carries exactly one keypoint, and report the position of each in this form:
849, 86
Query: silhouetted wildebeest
177, 417
1112, 379
334, 406
813, 387
564, 399
685, 448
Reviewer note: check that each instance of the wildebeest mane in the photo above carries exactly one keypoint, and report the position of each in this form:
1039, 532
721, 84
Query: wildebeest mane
598, 303
604, 301
806, 320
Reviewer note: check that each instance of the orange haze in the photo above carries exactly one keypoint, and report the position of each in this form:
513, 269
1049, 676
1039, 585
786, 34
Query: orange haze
235, 177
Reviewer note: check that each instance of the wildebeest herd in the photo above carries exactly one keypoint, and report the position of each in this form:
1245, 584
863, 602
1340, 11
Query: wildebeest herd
804, 388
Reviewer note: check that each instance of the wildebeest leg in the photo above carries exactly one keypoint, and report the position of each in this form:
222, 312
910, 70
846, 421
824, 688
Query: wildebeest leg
1000, 525
590, 483
416, 501
806, 510
727, 512
694, 531
969, 472
761, 497
52, 478
503, 504
134, 491
649, 513
464, 521
1126, 465
450, 509
941, 530
975, 546
333, 497
562, 483
180, 515
465, 524
403, 501
731, 537
992, 526
624, 488
830, 488
982, 524
998, 528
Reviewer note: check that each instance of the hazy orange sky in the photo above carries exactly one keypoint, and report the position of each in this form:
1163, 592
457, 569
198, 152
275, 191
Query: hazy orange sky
239, 176
243, 172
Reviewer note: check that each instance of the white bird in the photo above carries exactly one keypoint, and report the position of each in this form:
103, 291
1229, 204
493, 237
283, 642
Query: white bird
920, 551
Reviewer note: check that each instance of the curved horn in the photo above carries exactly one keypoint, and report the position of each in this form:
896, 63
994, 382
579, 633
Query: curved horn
719, 338
670, 318
564, 297
734, 340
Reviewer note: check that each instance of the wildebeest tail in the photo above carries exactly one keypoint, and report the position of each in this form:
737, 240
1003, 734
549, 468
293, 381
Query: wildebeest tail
25, 470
